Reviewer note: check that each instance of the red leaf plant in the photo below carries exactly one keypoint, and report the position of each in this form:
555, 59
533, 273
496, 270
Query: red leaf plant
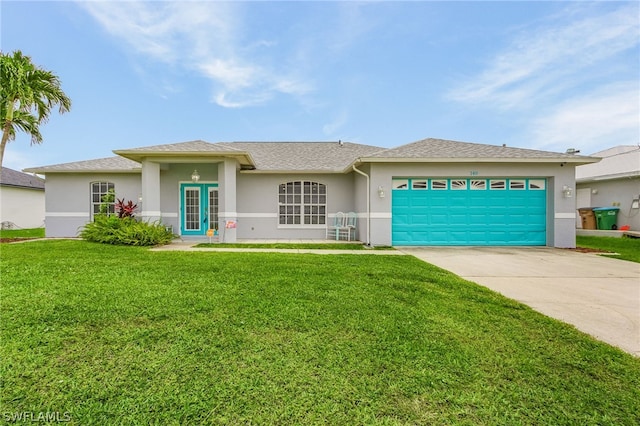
125, 209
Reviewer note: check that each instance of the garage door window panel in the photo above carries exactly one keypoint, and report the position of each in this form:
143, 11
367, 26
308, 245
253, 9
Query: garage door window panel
419, 184
400, 184
497, 184
517, 184
458, 185
537, 184
439, 184
478, 185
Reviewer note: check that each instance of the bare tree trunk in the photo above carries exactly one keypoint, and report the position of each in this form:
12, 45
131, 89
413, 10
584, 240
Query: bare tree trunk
3, 144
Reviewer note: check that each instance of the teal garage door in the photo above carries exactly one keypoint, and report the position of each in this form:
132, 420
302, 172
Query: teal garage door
474, 212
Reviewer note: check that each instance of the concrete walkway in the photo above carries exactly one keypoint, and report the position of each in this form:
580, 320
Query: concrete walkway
596, 294
190, 246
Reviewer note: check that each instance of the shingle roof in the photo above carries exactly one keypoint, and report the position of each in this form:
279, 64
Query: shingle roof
303, 156
15, 178
439, 149
109, 164
308, 157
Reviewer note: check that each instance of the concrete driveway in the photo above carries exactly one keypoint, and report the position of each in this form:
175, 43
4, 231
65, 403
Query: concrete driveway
598, 295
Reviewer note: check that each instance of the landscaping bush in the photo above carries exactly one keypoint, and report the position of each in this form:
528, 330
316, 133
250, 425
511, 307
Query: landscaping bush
125, 231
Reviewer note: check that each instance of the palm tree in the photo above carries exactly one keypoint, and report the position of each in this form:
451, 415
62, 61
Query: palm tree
27, 94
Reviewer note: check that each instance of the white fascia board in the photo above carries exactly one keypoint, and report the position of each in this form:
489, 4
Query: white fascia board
290, 172
576, 161
185, 157
56, 171
608, 177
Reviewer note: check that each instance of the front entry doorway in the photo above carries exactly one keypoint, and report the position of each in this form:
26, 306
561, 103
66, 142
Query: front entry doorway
198, 208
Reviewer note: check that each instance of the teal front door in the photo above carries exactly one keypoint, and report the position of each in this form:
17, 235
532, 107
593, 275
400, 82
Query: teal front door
198, 208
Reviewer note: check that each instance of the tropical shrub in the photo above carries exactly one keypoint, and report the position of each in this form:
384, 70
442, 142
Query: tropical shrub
125, 209
125, 231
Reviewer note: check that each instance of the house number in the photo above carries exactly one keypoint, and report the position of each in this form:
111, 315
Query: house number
473, 173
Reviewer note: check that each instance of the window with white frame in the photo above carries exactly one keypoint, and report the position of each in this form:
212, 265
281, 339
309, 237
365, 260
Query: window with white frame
302, 203
103, 194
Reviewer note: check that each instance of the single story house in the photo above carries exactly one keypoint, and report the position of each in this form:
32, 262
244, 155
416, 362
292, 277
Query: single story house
21, 200
612, 182
429, 192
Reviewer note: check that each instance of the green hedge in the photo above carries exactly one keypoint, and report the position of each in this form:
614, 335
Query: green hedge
125, 231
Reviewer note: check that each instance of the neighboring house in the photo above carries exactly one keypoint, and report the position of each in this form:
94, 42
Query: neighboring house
612, 182
21, 200
430, 192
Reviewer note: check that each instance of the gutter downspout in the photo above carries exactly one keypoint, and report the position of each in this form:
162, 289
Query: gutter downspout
368, 203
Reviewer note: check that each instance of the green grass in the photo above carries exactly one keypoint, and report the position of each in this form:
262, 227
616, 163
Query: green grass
298, 246
627, 248
123, 335
22, 233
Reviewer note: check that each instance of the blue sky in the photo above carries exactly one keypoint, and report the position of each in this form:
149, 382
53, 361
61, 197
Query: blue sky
542, 75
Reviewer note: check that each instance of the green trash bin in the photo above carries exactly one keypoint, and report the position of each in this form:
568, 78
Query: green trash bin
606, 217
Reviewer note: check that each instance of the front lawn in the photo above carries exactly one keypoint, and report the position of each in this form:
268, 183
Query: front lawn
15, 234
123, 335
627, 248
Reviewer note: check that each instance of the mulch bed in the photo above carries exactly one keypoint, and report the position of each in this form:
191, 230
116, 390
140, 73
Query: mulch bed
589, 250
13, 240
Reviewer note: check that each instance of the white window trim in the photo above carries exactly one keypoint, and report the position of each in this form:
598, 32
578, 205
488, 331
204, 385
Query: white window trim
302, 205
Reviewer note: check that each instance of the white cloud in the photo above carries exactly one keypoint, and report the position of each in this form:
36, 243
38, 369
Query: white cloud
548, 60
605, 117
203, 37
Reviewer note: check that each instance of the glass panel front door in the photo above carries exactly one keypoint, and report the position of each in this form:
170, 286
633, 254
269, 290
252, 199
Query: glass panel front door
198, 208
192, 209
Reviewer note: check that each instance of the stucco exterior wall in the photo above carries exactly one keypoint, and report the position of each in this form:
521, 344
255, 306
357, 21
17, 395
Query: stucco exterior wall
255, 200
68, 199
171, 175
560, 210
23, 207
606, 193
257, 205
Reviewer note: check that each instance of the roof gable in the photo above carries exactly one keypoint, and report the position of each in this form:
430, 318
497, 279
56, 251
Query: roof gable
191, 149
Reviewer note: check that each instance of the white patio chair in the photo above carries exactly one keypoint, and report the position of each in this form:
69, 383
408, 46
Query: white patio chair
348, 228
333, 230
